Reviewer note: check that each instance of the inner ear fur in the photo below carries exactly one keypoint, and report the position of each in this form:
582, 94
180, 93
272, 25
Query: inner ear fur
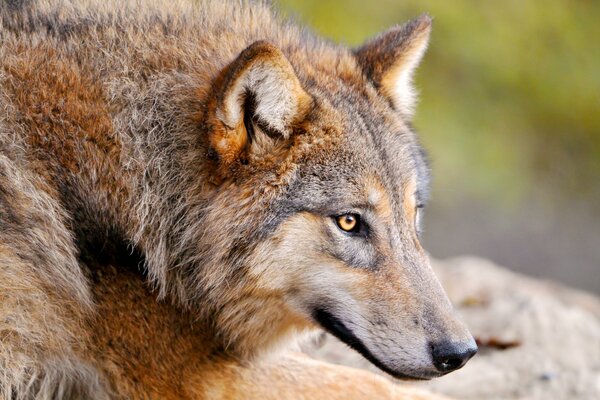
261, 85
390, 59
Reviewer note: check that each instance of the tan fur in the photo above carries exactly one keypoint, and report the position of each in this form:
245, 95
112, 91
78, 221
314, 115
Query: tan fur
392, 66
160, 352
215, 143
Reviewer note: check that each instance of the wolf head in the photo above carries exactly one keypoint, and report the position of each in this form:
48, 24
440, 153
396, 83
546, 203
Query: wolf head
316, 187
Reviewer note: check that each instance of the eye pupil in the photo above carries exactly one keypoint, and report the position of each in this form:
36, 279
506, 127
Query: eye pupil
348, 222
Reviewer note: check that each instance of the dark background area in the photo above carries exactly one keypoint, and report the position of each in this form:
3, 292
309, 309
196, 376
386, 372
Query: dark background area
510, 115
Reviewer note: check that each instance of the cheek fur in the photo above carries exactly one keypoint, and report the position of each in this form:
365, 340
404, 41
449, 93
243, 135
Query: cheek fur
409, 200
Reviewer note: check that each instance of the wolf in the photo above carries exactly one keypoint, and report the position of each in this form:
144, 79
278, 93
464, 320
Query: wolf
266, 182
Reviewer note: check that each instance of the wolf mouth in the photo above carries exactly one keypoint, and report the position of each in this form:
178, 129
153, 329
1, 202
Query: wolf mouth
337, 328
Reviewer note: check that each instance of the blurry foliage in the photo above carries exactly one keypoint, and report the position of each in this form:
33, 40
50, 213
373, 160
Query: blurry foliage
510, 90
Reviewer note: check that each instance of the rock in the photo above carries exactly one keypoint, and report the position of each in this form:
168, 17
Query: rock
538, 339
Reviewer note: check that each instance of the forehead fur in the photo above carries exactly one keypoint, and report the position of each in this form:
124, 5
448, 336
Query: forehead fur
369, 141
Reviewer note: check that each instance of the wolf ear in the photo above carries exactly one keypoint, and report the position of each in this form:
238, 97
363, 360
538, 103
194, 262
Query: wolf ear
390, 59
257, 94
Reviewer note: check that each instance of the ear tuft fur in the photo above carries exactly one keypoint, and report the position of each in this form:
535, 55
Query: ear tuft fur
262, 74
390, 59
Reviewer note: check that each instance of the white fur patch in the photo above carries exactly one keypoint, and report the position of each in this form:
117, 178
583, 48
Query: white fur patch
276, 93
398, 82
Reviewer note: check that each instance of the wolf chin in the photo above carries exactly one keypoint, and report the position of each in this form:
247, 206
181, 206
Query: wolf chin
260, 181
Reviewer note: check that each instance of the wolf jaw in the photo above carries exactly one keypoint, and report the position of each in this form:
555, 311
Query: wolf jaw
337, 328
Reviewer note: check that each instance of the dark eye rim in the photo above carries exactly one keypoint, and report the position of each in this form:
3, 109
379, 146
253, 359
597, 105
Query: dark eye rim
359, 229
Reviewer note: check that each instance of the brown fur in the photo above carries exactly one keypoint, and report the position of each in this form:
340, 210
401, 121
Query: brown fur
215, 142
160, 352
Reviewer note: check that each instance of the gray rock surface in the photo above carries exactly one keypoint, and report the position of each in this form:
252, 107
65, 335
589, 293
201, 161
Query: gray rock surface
538, 339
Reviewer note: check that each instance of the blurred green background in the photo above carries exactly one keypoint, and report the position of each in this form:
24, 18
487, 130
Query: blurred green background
510, 115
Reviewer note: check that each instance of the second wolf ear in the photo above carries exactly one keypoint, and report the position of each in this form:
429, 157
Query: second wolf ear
390, 60
259, 99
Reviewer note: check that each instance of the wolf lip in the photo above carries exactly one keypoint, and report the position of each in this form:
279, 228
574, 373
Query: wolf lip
337, 328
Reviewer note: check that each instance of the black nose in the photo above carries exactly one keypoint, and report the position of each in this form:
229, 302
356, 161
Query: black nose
450, 356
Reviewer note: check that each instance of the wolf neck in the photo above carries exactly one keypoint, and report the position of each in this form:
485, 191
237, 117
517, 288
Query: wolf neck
125, 142
150, 188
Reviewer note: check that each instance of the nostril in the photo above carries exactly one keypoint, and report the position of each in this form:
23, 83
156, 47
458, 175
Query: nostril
449, 356
450, 364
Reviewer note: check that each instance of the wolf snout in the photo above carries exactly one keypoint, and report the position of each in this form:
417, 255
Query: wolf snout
449, 356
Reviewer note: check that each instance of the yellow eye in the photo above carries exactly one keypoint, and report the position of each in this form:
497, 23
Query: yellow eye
348, 222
